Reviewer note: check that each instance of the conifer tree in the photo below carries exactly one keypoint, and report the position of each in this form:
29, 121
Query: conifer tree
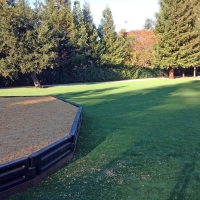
28, 43
196, 6
113, 48
178, 41
61, 17
149, 24
93, 45
8, 67
80, 37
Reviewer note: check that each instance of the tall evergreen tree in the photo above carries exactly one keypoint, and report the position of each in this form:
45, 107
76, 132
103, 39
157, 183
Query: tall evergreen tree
93, 44
113, 47
61, 17
149, 24
196, 6
28, 42
178, 41
81, 37
8, 66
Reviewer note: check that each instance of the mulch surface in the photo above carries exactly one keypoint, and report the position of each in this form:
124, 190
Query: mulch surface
27, 124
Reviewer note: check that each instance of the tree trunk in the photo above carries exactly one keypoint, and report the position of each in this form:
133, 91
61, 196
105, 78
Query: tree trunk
171, 73
195, 72
183, 72
35, 80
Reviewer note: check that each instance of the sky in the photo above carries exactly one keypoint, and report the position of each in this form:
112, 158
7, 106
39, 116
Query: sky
133, 12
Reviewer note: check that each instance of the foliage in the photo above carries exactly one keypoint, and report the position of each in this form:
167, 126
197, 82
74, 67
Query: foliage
196, 7
61, 17
8, 63
178, 41
80, 39
98, 74
149, 24
142, 46
93, 45
28, 43
113, 47
61, 44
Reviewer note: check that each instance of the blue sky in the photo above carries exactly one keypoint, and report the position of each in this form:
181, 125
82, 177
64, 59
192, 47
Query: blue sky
133, 11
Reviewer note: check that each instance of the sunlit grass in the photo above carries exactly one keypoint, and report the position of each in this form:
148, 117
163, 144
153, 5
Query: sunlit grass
139, 140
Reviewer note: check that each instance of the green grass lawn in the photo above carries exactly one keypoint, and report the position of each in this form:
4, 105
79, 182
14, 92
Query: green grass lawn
139, 140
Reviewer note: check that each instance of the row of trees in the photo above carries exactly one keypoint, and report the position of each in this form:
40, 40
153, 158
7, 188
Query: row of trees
55, 35
61, 36
177, 28
174, 42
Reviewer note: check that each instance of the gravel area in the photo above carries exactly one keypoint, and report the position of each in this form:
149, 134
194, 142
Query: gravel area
28, 124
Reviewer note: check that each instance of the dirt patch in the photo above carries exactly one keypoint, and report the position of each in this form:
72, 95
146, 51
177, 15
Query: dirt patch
28, 124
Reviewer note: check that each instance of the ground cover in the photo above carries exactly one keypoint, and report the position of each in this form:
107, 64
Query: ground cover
29, 124
139, 140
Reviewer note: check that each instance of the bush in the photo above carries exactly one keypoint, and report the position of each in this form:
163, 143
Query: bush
86, 74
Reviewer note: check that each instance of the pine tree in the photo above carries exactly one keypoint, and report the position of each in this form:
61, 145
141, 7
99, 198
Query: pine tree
8, 67
80, 37
93, 45
178, 41
61, 17
196, 6
28, 43
149, 24
113, 47
37, 43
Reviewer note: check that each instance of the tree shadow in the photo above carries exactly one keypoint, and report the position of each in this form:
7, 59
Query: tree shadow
134, 143
93, 92
109, 108
182, 183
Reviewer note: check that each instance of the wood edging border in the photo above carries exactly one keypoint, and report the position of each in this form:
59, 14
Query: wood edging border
23, 173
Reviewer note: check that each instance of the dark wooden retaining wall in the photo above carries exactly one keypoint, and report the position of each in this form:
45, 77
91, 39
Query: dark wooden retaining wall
23, 173
15, 172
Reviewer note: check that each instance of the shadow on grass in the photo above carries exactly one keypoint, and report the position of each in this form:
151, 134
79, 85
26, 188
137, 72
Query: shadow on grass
134, 108
134, 144
182, 184
93, 92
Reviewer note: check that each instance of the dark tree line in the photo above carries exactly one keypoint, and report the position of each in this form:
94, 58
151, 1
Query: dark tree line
56, 35
177, 28
59, 42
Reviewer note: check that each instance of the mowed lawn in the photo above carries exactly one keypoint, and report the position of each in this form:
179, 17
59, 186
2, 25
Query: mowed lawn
139, 140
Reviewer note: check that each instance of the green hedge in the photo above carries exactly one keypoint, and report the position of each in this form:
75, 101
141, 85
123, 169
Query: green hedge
92, 74
87, 74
